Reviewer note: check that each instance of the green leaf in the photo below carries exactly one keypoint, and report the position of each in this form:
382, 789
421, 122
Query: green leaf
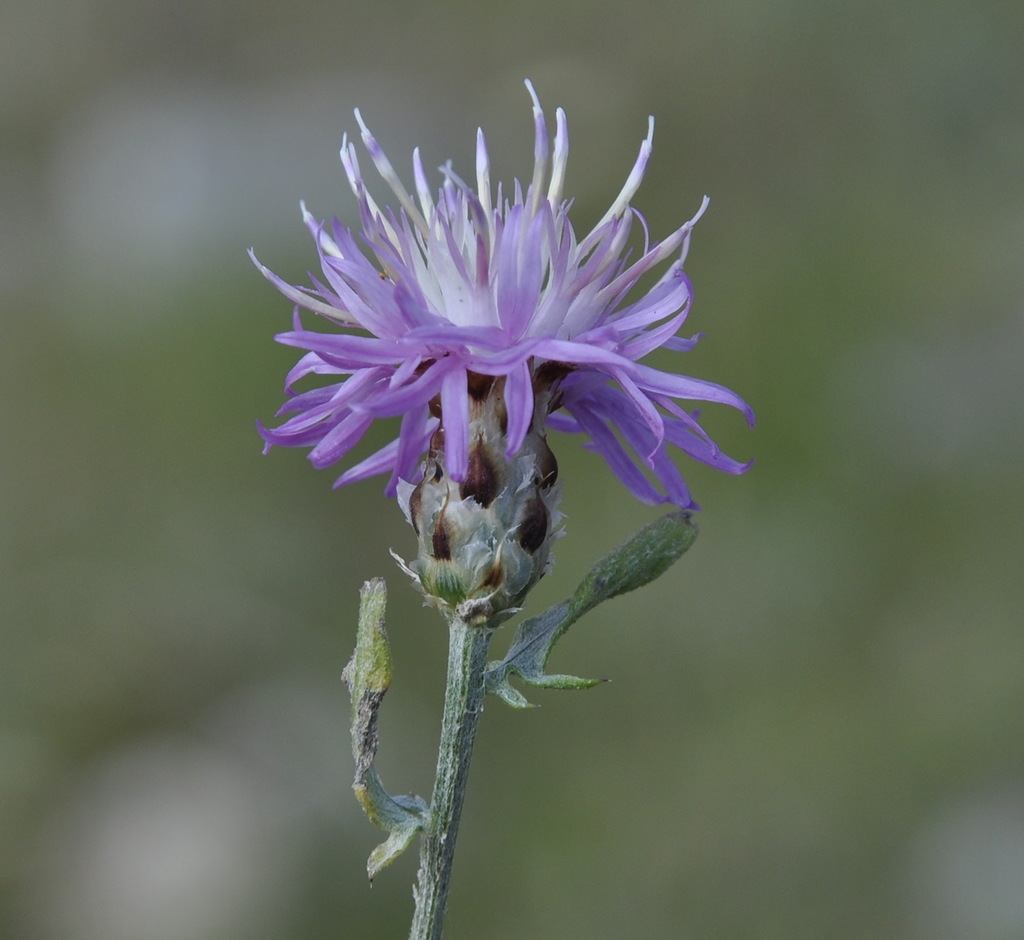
368, 675
645, 556
390, 849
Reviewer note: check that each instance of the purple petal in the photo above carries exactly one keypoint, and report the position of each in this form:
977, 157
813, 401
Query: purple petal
396, 401
347, 351
653, 339
379, 462
518, 406
495, 286
613, 406
501, 363
287, 435
673, 295
448, 334
560, 350
301, 296
607, 444
644, 407
681, 386
413, 437
682, 343
339, 440
455, 418
341, 394
310, 364
560, 421
703, 450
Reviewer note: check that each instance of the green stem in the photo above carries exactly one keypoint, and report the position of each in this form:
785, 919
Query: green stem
463, 703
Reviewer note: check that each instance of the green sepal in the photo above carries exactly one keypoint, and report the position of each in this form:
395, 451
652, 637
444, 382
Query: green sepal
645, 556
368, 675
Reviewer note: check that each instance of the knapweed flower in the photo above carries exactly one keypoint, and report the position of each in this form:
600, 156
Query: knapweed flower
481, 319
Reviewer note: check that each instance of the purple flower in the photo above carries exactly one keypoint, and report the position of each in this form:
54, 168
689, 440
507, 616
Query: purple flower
476, 285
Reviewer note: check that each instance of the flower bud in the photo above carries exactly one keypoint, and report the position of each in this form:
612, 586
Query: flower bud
484, 542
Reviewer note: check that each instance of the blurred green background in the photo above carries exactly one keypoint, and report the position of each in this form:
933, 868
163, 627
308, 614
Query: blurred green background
816, 723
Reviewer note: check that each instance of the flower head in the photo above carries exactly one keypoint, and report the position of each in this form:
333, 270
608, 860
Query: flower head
479, 289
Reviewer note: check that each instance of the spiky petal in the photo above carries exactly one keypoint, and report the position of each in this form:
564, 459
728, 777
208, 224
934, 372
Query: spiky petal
469, 286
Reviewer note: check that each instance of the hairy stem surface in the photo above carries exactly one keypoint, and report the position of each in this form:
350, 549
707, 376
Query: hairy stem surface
463, 703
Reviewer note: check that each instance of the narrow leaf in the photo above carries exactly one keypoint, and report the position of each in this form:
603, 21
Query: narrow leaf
368, 675
645, 556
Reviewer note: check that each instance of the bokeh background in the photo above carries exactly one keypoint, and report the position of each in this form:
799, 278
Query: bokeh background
816, 723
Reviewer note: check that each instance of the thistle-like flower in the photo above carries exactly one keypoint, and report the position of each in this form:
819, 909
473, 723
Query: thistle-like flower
482, 319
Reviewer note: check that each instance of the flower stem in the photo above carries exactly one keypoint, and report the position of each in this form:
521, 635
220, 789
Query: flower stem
463, 704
